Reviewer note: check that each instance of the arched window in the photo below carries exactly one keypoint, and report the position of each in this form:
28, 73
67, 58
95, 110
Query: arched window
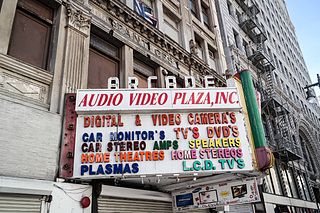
310, 165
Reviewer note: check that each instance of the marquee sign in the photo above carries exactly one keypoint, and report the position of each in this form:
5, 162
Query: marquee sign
157, 99
159, 132
214, 195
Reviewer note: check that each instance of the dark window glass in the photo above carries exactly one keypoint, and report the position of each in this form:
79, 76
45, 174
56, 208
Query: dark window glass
193, 7
229, 8
205, 15
101, 67
31, 33
142, 71
236, 38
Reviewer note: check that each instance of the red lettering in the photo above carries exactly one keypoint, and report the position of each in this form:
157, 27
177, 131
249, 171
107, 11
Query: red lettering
92, 98
154, 119
153, 99
102, 100
117, 99
84, 101
233, 98
145, 98
199, 98
134, 97
177, 96
163, 98
86, 122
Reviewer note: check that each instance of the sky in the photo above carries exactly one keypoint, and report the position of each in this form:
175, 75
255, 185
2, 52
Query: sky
305, 16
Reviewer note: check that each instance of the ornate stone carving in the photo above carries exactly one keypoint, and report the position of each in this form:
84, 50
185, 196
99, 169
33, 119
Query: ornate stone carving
116, 10
24, 82
24, 87
77, 18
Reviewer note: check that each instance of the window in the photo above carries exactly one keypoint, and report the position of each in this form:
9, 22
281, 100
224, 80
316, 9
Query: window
143, 68
240, 19
199, 42
292, 182
205, 15
277, 79
288, 91
229, 7
305, 187
103, 62
193, 7
148, 7
282, 84
246, 48
236, 38
31, 33
275, 180
171, 25
212, 56
285, 180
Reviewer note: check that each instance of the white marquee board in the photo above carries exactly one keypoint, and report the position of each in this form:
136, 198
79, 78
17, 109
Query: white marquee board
206, 138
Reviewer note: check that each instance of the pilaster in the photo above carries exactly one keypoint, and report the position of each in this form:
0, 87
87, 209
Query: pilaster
77, 47
8, 10
126, 66
160, 15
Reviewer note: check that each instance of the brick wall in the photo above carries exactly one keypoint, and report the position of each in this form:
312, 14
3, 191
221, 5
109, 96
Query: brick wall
29, 140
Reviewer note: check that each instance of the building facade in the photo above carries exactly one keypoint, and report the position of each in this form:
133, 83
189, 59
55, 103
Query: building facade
259, 36
52, 48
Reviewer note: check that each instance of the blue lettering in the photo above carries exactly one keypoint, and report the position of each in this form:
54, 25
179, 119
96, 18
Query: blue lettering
90, 171
108, 169
84, 169
100, 170
117, 168
127, 169
85, 137
135, 168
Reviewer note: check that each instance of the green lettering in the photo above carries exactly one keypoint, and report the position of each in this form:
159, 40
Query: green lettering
184, 166
175, 145
196, 165
222, 162
241, 163
156, 145
230, 163
208, 165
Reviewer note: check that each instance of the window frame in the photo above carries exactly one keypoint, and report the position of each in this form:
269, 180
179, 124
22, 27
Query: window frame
25, 10
105, 48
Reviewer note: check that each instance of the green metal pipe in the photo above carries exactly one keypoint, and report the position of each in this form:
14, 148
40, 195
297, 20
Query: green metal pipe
253, 110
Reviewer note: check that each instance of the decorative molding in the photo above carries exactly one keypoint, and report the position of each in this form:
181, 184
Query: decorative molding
77, 18
21, 68
120, 12
24, 81
23, 86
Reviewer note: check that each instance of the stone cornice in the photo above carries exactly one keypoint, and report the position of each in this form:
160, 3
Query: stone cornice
120, 11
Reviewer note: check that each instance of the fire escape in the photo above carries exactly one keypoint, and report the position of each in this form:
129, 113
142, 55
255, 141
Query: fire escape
276, 107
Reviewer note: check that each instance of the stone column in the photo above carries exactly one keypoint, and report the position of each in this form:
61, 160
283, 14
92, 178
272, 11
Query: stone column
7, 13
221, 64
161, 77
160, 15
186, 33
206, 56
77, 47
126, 65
